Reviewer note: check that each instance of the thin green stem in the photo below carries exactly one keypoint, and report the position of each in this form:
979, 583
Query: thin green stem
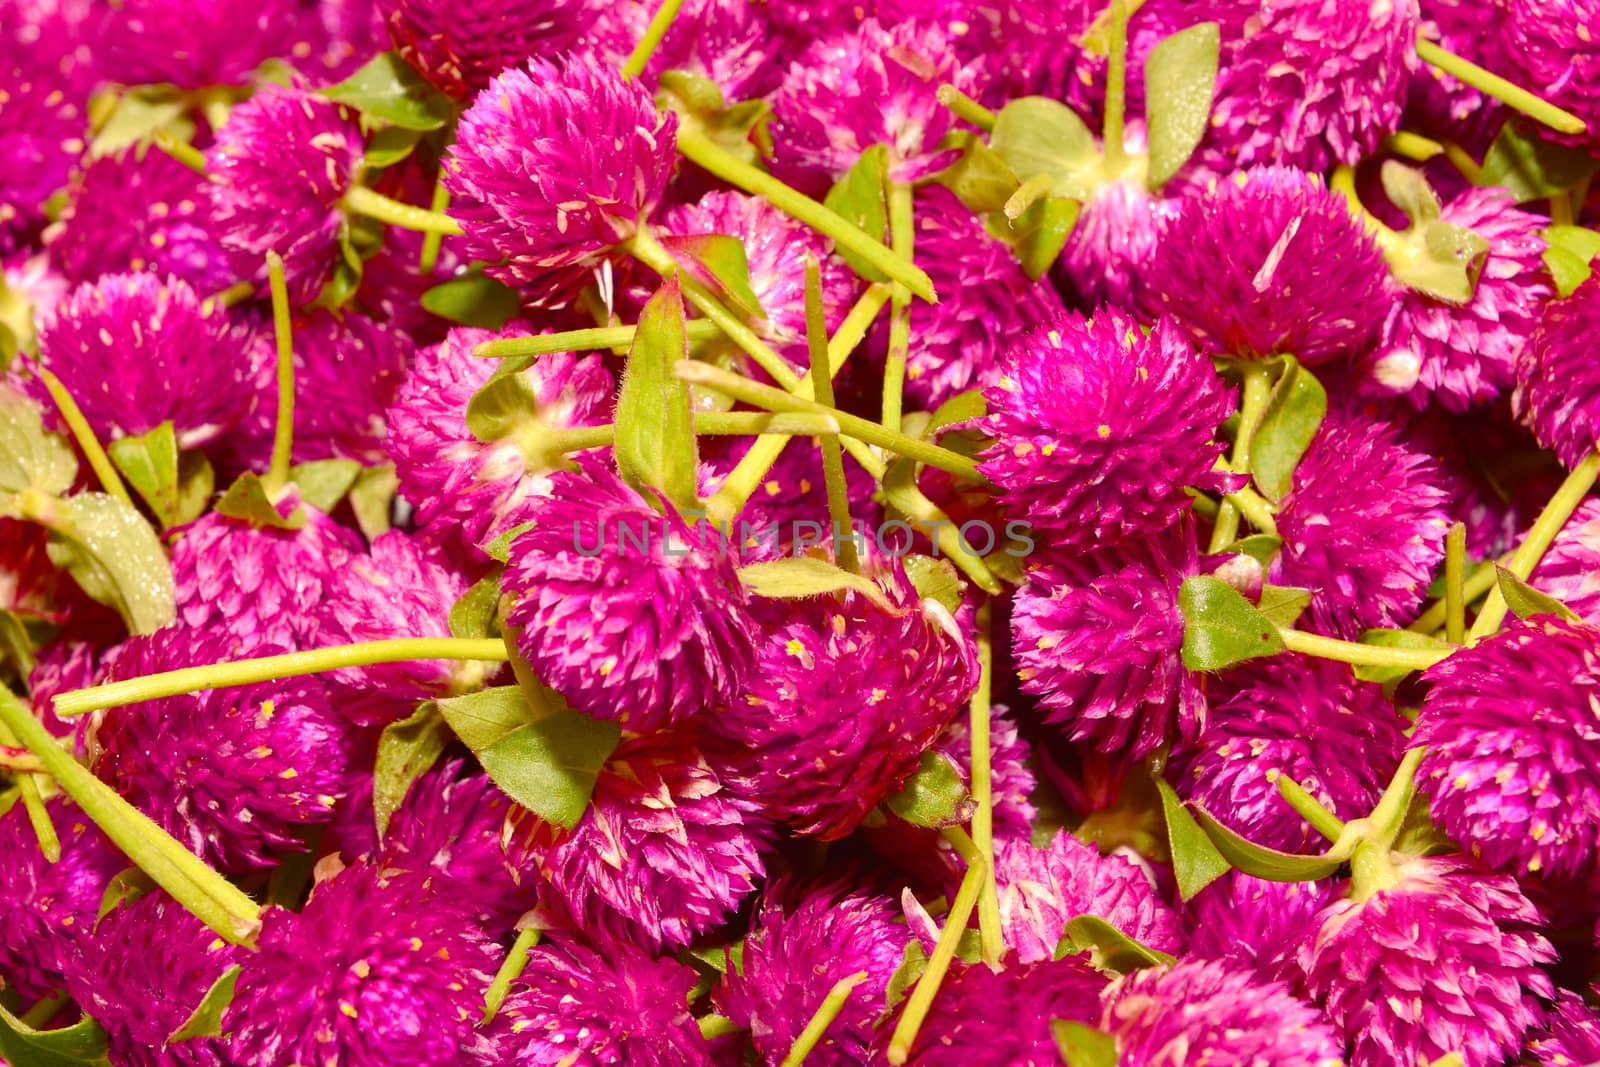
283, 430
270, 668
660, 23
715, 1026
822, 389
1029, 193
374, 205
1455, 584
433, 239
1112, 150
83, 433
33, 801
1414, 659
902, 238
1255, 508
826, 1012
967, 108
1491, 84
1252, 405
1480, 581
511, 969
1462, 160
601, 338
991, 936
1309, 807
1371, 867
910, 500
1413, 146
182, 151
927, 987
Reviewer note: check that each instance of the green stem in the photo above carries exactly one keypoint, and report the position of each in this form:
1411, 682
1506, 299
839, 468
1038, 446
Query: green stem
1112, 150
1256, 508
821, 376
283, 431
601, 338
699, 149
715, 1026
511, 969
44, 1009
83, 433
1462, 160
374, 205
826, 1012
1371, 867
1309, 807
17, 760
1480, 581
33, 801
902, 238
1538, 540
910, 500
1252, 405
271, 668
927, 987
433, 239
991, 937
1455, 584
1029, 193
182, 151
1413, 146
1414, 659
660, 23
967, 108
1490, 84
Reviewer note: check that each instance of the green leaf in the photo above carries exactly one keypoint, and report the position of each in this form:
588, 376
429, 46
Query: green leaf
1531, 167
1082, 1045
499, 549
390, 145
1037, 135
473, 616
979, 177
803, 576
324, 482
1409, 191
480, 719
655, 442
550, 766
247, 501
388, 88
934, 796
16, 644
862, 197
963, 407
124, 887
30, 458
1295, 411
718, 262
1526, 601
113, 553
1393, 639
206, 1019
406, 750
1283, 604
1450, 1059
1570, 254
1108, 947
196, 482
474, 299
137, 115
1039, 234
1261, 862
1221, 628
913, 963
1262, 548
935, 580
1196, 863
372, 499
1180, 80
81, 1045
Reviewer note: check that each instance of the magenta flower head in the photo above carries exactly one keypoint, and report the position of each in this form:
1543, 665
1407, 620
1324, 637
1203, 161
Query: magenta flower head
44, 133
195, 45
135, 350
236, 774
553, 168
362, 977
1097, 639
1571, 1038
1513, 747
728, 42
1558, 385
665, 851
460, 46
1113, 242
1268, 261
1312, 83
1012, 781
802, 943
630, 614
1363, 528
1206, 1012
1445, 959
1555, 46
1099, 428
1254, 925
281, 164
140, 972
1307, 718
1570, 569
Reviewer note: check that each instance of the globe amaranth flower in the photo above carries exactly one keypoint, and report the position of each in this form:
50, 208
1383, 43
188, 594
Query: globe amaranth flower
1254, 925
846, 695
1445, 959
1571, 1037
1363, 528
141, 972
647, 634
195, 45
135, 351
1098, 429
459, 46
281, 165
553, 168
363, 977
1554, 46
1513, 743
1558, 390
44, 133
1205, 1012
1311, 83
665, 850
1109, 251
236, 774
802, 942
1309, 719
1466, 354
1570, 568
1267, 261
43, 905
728, 42
1097, 640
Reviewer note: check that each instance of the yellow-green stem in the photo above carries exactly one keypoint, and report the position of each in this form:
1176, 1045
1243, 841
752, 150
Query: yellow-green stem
1371, 867
967, 108
991, 937
182, 151
1414, 659
1455, 584
1480, 581
1252, 405
927, 987
821, 377
902, 238
1462, 160
1112, 149
1413, 146
433, 239
826, 1012
33, 801
283, 431
374, 205
639, 58
83, 433
601, 338
1491, 84
1255, 508
511, 969
1309, 807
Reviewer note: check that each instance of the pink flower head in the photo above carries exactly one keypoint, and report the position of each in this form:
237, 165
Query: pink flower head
728, 42
1554, 48
1570, 569
1254, 925
460, 46
44, 132
197, 44
1558, 384
1109, 252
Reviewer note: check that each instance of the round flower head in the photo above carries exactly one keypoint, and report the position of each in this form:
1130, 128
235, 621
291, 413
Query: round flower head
1097, 639
460, 46
645, 634
1266, 262
1109, 252
135, 351
872, 85
1312, 83
1098, 429
1555, 44
195, 45
140, 972
44, 133
1513, 747
281, 165
845, 697
1446, 959
1570, 570
664, 851
1307, 718
1254, 925
553, 168
793, 957
728, 42
362, 977
44, 905
1012, 781
236, 774
1558, 388
1571, 1038
1363, 528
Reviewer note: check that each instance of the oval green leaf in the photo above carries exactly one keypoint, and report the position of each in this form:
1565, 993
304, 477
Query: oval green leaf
1221, 628
1180, 79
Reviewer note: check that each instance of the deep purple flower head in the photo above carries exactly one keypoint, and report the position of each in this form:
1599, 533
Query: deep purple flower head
1558, 386
728, 42
135, 350
198, 44
646, 635
1268, 261
845, 697
1570, 569
140, 972
554, 167
1252, 924
1312, 83
1513, 739
1012, 781
664, 851
43, 905
281, 165
44, 133
236, 774
362, 977
1363, 528
1307, 718
1445, 959
1099, 428
797, 950
1097, 639
1206, 1012
461, 46
1571, 1038
1109, 252
1555, 46
872, 85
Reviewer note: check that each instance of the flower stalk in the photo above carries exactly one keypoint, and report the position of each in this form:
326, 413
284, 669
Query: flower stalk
374, 205
927, 987
83, 433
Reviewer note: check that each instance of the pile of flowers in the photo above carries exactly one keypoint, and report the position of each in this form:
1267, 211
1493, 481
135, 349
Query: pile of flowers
799, 531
